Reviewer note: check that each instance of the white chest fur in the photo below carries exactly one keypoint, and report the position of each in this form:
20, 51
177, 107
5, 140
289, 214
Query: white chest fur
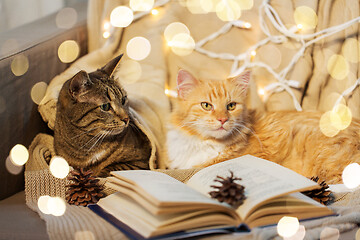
186, 151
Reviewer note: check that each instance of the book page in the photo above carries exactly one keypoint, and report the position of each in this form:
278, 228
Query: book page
262, 179
163, 187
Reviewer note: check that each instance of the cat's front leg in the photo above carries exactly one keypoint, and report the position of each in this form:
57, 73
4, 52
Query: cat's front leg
220, 158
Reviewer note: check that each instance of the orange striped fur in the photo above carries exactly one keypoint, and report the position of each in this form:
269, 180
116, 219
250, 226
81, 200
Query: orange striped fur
292, 139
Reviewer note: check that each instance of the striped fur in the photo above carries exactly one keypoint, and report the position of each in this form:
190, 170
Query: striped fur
292, 139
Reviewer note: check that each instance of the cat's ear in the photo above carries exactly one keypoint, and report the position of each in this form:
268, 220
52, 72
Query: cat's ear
185, 83
79, 84
242, 80
111, 66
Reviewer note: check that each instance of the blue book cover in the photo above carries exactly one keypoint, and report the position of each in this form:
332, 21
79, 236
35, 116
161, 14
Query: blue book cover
131, 234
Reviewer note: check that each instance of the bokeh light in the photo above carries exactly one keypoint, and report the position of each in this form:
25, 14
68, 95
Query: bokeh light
106, 34
19, 65
154, 12
19, 155
351, 50
341, 116
59, 167
121, 16
305, 16
299, 235
106, 25
68, 51
271, 55
173, 29
209, 5
88, 235
130, 71
66, 18
195, 7
138, 48
38, 92
43, 204
12, 168
56, 206
245, 4
326, 126
329, 233
338, 67
182, 44
228, 10
357, 235
287, 226
141, 5
351, 175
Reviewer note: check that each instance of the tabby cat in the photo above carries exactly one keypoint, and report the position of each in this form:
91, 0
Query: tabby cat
94, 128
210, 123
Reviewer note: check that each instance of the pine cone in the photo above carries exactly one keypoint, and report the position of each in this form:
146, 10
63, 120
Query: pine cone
84, 188
321, 195
229, 191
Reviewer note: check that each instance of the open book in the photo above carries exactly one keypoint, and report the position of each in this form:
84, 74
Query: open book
152, 203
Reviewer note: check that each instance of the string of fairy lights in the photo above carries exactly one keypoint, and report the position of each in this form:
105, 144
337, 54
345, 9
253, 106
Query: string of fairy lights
179, 39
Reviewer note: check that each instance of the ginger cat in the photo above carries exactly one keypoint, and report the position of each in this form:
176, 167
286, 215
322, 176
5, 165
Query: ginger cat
210, 124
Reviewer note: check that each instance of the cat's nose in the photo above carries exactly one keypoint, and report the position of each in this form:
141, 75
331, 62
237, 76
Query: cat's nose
223, 120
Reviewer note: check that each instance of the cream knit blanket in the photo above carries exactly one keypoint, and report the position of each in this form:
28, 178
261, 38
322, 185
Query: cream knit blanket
81, 223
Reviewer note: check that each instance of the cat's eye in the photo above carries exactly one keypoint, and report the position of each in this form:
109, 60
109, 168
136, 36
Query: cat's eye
231, 106
206, 106
105, 107
123, 100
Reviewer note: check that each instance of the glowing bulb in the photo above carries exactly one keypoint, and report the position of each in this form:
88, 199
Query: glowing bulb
182, 44
141, 5
351, 175
173, 29
261, 92
43, 204
338, 67
66, 18
19, 65
170, 93
288, 226
299, 26
19, 155
59, 167
106, 34
68, 51
107, 25
56, 206
228, 10
247, 25
329, 233
253, 53
138, 48
38, 92
121, 16
306, 17
154, 12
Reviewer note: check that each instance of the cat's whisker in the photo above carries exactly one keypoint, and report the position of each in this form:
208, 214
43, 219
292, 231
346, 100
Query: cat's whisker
253, 133
92, 139
103, 134
85, 132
